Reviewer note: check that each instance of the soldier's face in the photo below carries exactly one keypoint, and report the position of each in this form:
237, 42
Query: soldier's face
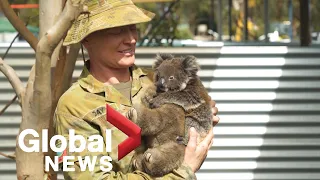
114, 47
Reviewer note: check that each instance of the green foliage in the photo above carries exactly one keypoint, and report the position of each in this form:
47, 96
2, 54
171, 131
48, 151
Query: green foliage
193, 12
30, 16
182, 23
183, 32
315, 13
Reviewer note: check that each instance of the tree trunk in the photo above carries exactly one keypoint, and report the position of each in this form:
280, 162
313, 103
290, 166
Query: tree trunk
305, 36
37, 104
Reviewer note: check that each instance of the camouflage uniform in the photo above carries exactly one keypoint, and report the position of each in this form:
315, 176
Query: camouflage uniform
82, 108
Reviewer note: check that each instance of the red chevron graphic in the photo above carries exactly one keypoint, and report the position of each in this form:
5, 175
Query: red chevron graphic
126, 126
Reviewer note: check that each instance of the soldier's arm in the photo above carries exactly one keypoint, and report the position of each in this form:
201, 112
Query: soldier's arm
64, 122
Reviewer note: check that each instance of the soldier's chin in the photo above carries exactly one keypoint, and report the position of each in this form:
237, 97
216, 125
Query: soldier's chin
127, 61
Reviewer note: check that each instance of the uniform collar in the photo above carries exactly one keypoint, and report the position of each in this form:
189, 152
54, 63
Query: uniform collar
92, 85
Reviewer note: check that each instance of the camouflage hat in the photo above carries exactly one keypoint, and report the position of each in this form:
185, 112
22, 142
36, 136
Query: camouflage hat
105, 14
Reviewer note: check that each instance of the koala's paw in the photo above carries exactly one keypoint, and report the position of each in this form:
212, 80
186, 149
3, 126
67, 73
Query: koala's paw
147, 99
148, 160
154, 103
149, 95
151, 91
148, 157
180, 140
155, 163
151, 157
132, 115
137, 163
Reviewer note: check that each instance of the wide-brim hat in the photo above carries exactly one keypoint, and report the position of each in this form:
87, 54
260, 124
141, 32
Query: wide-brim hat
103, 14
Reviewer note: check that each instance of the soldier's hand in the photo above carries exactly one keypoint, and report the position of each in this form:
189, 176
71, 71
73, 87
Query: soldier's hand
214, 113
196, 154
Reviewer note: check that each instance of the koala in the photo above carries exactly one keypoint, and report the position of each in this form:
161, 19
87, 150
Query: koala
176, 102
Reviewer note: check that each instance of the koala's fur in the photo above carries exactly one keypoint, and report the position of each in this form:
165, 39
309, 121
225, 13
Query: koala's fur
176, 102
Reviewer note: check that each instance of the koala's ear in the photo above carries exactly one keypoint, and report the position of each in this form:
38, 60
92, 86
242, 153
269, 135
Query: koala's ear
160, 58
190, 64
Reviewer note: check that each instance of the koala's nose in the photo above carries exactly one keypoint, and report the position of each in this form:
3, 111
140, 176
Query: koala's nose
162, 81
160, 85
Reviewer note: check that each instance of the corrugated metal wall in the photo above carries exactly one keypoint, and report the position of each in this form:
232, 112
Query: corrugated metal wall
268, 100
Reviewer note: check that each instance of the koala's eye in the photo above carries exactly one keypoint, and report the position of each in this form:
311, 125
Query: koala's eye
171, 78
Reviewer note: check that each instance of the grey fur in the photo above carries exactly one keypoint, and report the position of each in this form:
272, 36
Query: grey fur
168, 111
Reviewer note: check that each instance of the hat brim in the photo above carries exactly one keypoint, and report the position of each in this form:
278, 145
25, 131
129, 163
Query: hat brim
114, 17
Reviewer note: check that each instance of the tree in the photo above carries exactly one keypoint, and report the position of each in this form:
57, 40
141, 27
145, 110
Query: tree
47, 77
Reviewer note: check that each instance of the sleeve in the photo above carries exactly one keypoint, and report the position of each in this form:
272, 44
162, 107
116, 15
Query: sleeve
64, 121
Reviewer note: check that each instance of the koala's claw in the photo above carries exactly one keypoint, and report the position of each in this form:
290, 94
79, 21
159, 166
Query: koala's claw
151, 92
154, 104
148, 99
132, 115
149, 95
135, 164
148, 157
180, 139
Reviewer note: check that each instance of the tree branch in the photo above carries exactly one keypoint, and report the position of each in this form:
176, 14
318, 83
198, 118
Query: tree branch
37, 102
64, 70
18, 24
10, 156
157, 23
13, 78
7, 105
6, 53
45, 48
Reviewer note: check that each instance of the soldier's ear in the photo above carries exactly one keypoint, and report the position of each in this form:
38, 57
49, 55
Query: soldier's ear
190, 65
160, 58
84, 42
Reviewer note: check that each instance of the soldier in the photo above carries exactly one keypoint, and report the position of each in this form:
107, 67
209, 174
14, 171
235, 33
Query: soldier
109, 35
